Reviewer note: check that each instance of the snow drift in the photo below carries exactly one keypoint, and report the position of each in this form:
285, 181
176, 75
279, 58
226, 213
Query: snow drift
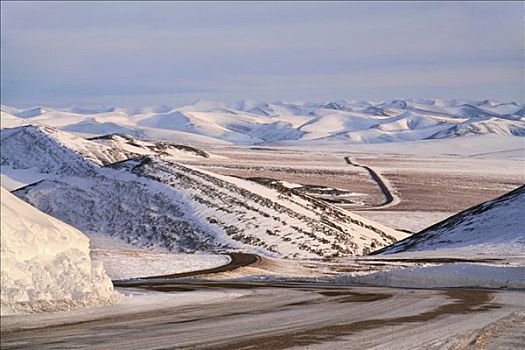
46, 264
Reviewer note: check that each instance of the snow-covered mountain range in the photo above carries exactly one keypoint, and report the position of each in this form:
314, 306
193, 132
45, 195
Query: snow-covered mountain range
257, 122
140, 192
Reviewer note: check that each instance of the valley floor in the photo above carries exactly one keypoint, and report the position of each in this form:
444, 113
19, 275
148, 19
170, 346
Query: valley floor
430, 181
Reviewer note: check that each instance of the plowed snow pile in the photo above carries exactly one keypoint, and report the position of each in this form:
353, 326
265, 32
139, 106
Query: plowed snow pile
46, 264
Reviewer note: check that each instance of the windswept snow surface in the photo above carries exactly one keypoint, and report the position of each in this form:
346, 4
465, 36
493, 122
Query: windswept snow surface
46, 264
48, 150
121, 264
122, 260
8, 120
257, 122
154, 201
445, 276
499, 222
128, 147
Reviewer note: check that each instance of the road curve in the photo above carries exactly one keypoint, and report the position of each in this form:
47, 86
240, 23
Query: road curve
390, 198
238, 260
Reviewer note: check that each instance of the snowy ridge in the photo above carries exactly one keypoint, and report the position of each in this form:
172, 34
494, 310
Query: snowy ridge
46, 264
498, 222
156, 201
489, 125
93, 127
129, 147
45, 150
258, 122
8, 120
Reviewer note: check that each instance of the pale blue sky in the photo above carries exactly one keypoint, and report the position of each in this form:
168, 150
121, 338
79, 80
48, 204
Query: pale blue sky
132, 53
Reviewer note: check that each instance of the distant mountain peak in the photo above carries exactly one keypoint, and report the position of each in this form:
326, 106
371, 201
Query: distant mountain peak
250, 121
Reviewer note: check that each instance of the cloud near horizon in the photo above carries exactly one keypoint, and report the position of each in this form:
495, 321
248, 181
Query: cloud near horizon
138, 53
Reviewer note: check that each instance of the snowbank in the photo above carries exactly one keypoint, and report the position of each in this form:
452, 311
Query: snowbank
45, 264
447, 275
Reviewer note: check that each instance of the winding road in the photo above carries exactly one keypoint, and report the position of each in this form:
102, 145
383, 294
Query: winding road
390, 197
237, 260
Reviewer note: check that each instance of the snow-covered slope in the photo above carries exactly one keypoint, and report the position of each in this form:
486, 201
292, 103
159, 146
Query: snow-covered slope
153, 200
30, 113
258, 122
49, 150
483, 126
156, 202
129, 147
9, 120
45, 263
487, 226
93, 127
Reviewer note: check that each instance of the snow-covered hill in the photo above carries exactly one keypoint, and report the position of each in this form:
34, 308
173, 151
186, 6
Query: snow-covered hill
46, 263
483, 126
495, 225
258, 122
149, 199
128, 147
48, 150
9, 120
